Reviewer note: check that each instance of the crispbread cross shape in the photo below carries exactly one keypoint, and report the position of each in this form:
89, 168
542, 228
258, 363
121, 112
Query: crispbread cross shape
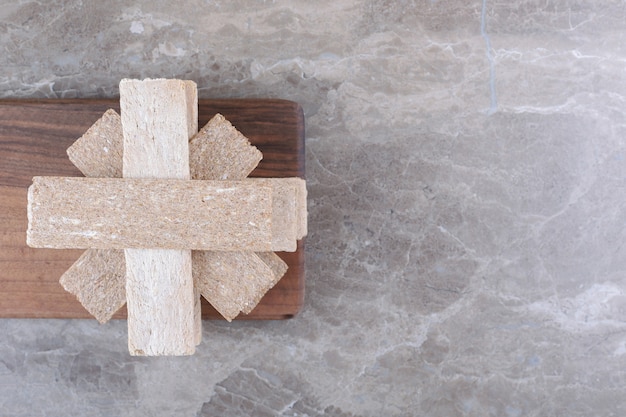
232, 281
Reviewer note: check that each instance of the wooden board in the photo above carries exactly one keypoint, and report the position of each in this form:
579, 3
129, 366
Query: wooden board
33, 138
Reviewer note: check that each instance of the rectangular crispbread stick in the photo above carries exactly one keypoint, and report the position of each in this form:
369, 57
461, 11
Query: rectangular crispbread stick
115, 213
158, 119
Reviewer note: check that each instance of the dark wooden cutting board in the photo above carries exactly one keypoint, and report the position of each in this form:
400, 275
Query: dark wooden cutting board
33, 138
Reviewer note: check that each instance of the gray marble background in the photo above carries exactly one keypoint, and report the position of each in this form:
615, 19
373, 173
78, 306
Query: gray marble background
466, 164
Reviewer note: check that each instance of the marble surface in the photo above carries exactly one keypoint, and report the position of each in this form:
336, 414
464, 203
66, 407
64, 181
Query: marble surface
466, 164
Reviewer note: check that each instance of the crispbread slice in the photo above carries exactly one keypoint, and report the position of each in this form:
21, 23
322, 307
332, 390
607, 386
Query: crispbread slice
278, 268
159, 116
230, 281
98, 153
221, 152
98, 280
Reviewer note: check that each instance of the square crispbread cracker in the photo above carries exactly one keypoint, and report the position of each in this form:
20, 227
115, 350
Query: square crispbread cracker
221, 152
98, 153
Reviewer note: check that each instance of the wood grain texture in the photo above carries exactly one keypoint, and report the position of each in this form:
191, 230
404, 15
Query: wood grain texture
34, 136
